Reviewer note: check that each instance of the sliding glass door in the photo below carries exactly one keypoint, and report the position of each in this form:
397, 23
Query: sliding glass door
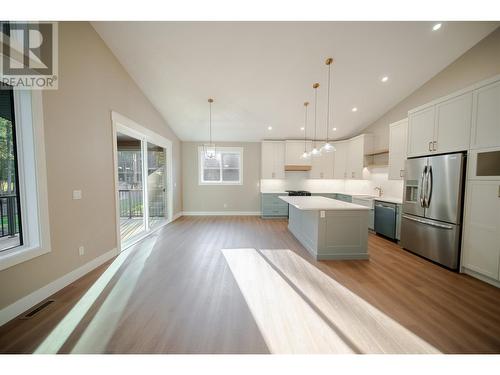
130, 187
157, 197
142, 185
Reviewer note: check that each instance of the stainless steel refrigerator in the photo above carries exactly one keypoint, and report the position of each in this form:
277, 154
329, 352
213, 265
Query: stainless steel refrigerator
432, 207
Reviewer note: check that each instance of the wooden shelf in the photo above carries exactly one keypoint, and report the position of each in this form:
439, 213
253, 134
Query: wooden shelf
378, 152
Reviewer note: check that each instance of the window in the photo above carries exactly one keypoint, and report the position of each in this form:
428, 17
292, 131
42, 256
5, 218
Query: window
23, 183
10, 215
224, 169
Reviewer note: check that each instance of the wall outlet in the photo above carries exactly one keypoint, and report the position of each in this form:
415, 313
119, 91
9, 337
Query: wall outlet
77, 194
322, 214
225, 205
81, 250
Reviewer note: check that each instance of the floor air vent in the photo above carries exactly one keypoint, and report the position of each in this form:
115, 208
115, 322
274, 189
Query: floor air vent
37, 309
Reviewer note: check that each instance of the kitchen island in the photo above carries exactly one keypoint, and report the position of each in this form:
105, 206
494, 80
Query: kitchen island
329, 228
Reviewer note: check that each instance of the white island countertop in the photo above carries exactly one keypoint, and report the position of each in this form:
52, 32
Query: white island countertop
321, 203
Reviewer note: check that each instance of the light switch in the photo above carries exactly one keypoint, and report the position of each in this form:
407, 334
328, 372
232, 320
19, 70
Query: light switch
77, 194
322, 214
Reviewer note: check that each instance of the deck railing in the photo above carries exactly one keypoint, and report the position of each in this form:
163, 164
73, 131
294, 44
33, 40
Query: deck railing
131, 203
9, 225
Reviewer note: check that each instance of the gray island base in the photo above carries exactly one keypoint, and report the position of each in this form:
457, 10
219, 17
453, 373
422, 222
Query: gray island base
329, 228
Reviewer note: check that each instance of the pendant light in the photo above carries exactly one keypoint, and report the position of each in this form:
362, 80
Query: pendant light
305, 155
328, 147
315, 151
210, 149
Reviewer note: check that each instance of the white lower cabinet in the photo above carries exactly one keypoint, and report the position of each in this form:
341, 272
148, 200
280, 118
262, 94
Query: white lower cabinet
481, 241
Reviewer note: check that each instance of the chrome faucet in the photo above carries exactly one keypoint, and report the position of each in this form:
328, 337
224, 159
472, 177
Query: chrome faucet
379, 188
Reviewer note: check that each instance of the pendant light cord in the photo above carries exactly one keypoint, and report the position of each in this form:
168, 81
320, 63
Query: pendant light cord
305, 127
210, 122
315, 112
328, 103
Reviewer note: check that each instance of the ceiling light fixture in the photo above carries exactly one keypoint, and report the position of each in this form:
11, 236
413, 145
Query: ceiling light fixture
315, 152
384, 79
354, 109
334, 129
269, 128
328, 147
209, 149
436, 27
305, 155
302, 128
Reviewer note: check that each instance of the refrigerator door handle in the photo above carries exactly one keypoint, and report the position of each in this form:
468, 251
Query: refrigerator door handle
427, 222
428, 186
422, 193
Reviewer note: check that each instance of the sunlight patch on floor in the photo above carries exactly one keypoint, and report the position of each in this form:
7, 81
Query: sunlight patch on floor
59, 335
102, 327
299, 309
287, 323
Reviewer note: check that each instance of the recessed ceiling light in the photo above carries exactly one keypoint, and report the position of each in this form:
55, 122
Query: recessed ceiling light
302, 128
436, 27
384, 79
269, 128
334, 129
354, 109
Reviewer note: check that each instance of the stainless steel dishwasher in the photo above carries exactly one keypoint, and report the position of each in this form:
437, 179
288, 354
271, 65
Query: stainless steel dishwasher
385, 219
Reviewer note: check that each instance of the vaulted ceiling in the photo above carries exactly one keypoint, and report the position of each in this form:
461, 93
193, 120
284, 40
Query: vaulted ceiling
260, 73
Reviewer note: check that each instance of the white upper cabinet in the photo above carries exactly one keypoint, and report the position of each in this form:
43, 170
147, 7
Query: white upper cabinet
421, 131
322, 166
481, 242
453, 124
486, 117
358, 147
272, 159
340, 160
294, 150
397, 149
440, 128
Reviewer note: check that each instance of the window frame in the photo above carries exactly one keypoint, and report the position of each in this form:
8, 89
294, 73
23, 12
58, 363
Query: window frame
31, 163
221, 182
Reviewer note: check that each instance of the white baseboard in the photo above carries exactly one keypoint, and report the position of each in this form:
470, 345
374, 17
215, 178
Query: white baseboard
477, 275
176, 216
221, 213
10, 312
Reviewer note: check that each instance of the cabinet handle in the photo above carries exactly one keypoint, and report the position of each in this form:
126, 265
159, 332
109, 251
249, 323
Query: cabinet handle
434, 146
401, 173
430, 146
498, 191
321, 175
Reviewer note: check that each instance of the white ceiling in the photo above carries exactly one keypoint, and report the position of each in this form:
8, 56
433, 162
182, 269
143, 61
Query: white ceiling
260, 73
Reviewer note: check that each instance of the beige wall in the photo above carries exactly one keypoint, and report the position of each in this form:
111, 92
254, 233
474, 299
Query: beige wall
244, 197
480, 62
78, 136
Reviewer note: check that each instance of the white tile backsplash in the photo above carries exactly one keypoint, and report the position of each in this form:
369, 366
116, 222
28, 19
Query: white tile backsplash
373, 177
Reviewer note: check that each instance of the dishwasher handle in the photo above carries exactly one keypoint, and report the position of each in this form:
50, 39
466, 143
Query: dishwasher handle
386, 206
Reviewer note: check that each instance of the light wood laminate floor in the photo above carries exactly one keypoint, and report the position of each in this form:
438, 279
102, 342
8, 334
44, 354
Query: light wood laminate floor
246, 285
